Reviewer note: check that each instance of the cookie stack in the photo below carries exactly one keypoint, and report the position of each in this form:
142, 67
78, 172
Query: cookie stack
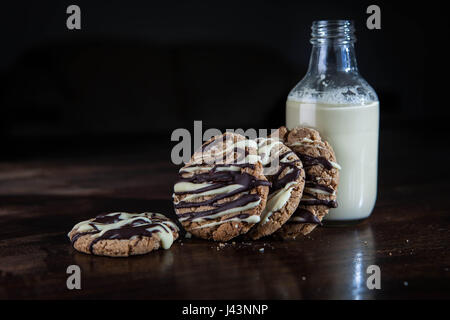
283, 185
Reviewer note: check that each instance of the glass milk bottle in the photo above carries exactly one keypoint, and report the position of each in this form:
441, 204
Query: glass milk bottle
334, 99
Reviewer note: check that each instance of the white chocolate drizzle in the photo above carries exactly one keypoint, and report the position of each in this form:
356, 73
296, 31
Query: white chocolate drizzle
250, 219
277, 201
219, 171
269, 150
156, 222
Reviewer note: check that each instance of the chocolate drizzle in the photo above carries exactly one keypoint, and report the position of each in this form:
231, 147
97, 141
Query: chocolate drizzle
139, 226
309, 161
310, 184
223, 165
219, 155
80, 234
242, 201
128, 231
304, 216
106, 219
279, 183
220, 179
317, 202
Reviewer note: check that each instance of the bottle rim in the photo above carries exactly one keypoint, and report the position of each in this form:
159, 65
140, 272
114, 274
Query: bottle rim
336, 31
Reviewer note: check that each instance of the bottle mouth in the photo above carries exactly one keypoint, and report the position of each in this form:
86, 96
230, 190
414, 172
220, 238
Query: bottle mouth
336, 31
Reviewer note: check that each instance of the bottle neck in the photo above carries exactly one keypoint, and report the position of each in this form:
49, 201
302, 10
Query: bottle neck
333, 47
328, 58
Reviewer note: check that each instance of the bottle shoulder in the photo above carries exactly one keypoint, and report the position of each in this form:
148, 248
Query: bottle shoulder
339, 88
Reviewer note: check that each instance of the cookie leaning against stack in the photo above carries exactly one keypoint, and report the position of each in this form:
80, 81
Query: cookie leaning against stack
322, 178
221, 191
284, 170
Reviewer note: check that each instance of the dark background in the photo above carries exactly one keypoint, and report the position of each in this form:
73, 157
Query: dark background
138, 69
85, 124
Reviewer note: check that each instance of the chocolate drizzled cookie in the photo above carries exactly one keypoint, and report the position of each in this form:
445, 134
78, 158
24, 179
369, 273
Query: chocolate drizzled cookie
221, 191
322, 177
122, 234
284, 170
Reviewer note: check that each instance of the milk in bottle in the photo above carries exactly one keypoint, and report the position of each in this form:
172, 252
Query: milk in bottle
334, 99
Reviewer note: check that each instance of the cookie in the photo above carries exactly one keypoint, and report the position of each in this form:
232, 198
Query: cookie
122, 234
284, 170
221, 192
322, 178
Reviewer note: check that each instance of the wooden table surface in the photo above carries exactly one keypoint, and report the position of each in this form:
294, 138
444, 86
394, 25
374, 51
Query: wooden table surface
407, 236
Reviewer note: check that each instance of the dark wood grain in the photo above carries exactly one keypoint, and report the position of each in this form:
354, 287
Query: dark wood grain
407, 236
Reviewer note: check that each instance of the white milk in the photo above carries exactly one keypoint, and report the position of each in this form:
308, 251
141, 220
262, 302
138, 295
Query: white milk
352, 131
